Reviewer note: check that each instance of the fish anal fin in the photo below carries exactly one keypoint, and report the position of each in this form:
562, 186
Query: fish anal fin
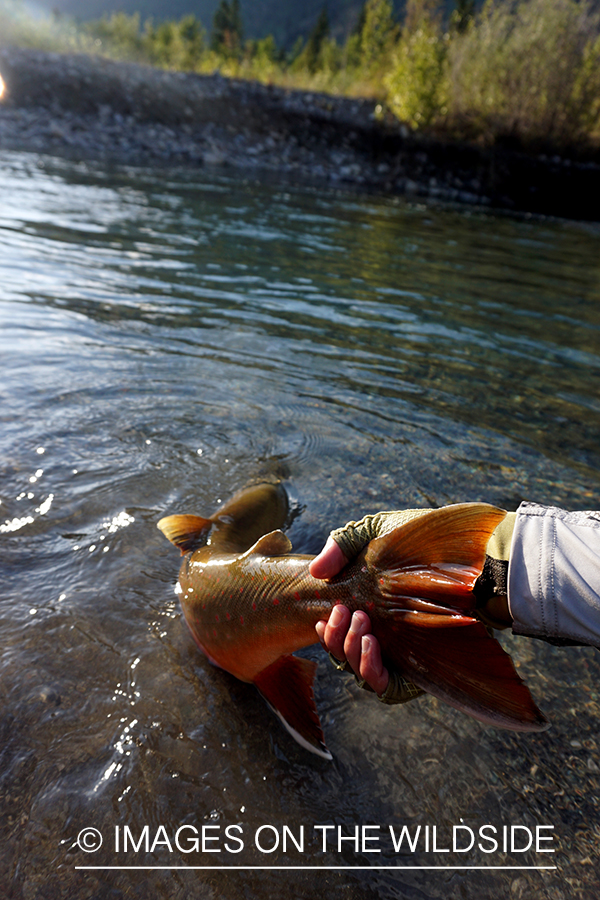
287, 686
454, 658
275, 543
185, 531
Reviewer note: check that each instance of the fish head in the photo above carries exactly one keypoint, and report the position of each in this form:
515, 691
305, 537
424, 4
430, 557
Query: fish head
253, 512
236, 525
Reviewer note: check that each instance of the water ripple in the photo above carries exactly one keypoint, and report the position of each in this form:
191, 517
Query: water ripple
166, 338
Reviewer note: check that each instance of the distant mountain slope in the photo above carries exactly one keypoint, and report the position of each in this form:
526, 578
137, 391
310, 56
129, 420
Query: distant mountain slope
284, 19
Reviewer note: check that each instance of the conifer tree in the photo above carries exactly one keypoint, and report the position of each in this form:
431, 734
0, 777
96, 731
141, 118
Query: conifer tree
463, 14
378, 32
316, 39
226, 35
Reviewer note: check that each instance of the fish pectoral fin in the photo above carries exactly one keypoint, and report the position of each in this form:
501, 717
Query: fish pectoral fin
437, 556
452, 534
186, 532
287, 686
275, 543
454, 658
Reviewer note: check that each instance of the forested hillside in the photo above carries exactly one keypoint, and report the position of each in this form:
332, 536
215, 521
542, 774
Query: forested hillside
286, 20
526, 72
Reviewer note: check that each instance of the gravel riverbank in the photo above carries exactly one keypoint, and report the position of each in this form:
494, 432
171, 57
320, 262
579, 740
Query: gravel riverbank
92, 108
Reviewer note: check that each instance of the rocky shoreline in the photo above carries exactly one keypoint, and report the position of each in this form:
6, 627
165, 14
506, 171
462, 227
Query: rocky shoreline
92, 108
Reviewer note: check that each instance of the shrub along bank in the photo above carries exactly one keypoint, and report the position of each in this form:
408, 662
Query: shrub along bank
522, 72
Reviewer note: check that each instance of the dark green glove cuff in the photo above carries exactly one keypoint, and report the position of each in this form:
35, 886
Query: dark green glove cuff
493, 581
355, 535
399, 690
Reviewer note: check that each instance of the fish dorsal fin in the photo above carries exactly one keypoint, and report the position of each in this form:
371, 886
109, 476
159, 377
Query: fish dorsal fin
275, 543
186, 532
287, 686
437, 556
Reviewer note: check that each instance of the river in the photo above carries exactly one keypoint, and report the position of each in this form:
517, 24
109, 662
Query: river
167, 337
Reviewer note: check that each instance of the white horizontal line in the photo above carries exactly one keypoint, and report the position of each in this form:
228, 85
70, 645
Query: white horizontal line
324, 868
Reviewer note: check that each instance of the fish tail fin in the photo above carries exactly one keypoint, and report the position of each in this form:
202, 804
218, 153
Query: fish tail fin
437, 556
236, 525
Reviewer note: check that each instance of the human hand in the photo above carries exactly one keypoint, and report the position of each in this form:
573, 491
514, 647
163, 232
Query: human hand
348, 639
345, 543
490, 589
329, 562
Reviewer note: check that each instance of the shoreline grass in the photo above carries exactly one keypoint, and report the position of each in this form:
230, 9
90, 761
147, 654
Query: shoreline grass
526, 72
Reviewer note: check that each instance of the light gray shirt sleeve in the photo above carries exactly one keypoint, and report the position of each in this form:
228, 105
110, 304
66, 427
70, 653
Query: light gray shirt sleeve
554, 574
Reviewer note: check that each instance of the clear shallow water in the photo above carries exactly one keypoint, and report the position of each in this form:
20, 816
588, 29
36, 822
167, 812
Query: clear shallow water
166, 337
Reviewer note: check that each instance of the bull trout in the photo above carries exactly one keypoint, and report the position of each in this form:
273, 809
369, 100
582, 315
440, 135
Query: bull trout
250, 603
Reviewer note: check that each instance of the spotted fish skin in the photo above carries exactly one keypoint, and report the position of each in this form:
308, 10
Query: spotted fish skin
268, 603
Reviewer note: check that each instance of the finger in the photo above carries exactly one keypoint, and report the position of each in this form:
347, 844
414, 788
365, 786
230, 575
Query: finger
360, 625
329, 562
372, 669
335, 631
